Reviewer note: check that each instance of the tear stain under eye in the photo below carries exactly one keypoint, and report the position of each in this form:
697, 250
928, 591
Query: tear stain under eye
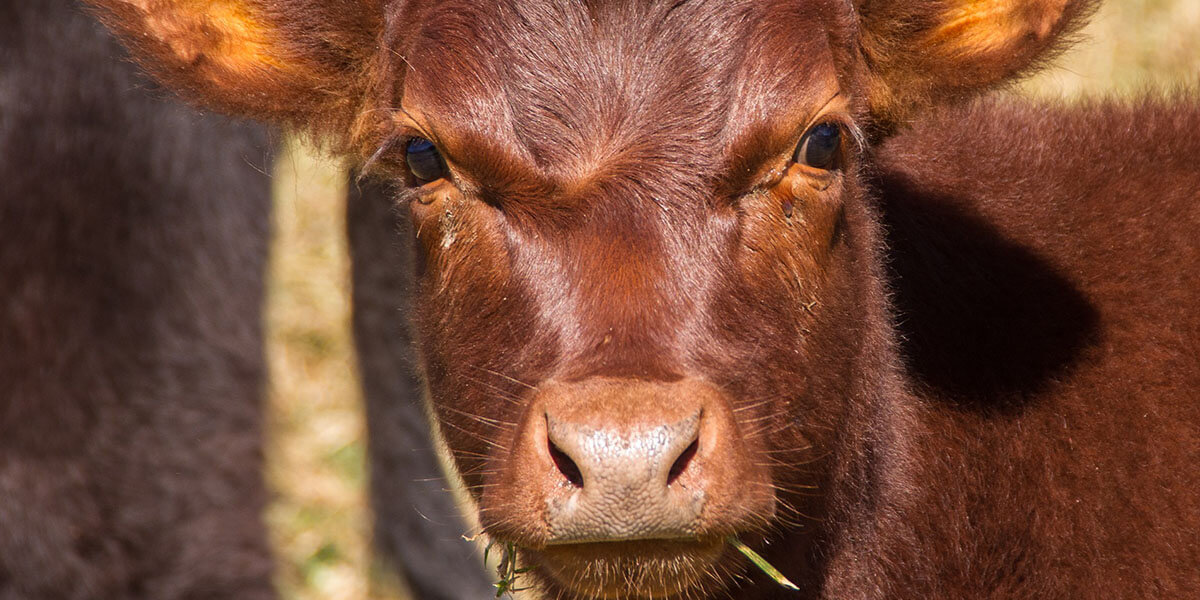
839, 227
449, 228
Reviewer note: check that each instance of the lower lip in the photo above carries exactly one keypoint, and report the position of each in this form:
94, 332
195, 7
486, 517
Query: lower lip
650, 569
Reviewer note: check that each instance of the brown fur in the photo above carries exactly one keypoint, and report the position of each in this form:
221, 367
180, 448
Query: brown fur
133, 238
288, 61
923, 53
967, 356
1053, 341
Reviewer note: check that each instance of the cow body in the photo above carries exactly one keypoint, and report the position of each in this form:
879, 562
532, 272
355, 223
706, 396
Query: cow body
131, 260
690, 272
1051, 350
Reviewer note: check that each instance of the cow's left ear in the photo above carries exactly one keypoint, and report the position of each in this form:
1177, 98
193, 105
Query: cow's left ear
921, 52
292, 61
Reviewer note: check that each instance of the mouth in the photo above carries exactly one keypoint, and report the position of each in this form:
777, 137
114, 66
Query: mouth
643, 570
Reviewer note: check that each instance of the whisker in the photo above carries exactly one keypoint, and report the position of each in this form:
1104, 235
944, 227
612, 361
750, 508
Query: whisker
508, 377
497, 423
474, 435
503, 394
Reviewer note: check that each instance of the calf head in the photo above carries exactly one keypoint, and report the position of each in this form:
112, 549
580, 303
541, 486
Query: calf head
650, 302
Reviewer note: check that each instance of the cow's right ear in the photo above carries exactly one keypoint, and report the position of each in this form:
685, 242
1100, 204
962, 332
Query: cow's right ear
299, 62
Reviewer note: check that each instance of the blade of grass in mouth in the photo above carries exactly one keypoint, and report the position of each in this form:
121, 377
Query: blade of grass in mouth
762, 563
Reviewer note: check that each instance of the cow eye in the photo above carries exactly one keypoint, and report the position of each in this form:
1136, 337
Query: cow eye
819, 147
424, 161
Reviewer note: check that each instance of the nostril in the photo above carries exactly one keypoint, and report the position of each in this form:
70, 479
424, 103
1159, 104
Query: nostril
566, 466
681, 463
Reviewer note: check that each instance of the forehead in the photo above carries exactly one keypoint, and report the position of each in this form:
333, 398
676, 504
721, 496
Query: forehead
584, 79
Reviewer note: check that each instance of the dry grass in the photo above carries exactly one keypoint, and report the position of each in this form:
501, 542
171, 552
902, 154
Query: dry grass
316, 457
1130, 46
316, 463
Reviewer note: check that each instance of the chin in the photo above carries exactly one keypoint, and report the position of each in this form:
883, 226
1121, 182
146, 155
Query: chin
633, 570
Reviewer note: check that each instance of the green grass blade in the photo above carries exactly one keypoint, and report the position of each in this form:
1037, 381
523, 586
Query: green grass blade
762, 563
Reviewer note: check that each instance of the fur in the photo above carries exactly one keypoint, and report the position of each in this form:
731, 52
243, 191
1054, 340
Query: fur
135, 235
134, 238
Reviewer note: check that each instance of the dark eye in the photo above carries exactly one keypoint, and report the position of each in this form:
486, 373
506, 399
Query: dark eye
424, 161
819, 147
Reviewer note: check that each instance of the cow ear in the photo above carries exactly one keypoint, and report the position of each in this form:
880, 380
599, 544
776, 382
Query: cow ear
298, 61
920, 52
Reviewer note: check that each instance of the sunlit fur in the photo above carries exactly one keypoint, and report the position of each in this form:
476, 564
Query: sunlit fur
289, 61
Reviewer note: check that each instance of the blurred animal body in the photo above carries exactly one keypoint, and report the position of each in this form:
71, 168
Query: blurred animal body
133, 241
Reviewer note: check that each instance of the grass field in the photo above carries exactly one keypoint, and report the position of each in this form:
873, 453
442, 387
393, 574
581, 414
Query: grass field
316, 459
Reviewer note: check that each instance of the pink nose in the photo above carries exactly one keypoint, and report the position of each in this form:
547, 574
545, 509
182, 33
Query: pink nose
614, 460
626, 482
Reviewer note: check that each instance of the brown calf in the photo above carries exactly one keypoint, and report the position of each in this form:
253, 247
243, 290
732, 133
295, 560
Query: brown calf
697, 270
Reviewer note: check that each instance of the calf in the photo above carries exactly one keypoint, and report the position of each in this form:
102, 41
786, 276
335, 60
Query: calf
699, 274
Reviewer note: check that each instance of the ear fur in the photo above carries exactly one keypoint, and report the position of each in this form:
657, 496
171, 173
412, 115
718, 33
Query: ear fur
291, 61
920, 52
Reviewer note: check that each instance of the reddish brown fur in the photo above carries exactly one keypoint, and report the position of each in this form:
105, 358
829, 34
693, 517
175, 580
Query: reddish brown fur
967, 356
1057, 367
309, 52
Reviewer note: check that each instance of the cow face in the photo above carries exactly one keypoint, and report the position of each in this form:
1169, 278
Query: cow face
634, 234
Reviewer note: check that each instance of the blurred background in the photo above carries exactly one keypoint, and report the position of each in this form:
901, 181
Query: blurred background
319, 519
